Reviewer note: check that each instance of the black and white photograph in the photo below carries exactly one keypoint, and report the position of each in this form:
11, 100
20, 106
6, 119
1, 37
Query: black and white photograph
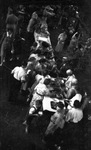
45, 44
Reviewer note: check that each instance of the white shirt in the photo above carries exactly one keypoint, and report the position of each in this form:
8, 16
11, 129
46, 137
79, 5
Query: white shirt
41, 89
74, 115
69, 81
39, 78
19, 73
76, 97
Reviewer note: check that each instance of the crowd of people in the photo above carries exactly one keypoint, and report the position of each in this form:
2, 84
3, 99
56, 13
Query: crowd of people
47, 77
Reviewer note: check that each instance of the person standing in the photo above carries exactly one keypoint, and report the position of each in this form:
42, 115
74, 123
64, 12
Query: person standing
11, 31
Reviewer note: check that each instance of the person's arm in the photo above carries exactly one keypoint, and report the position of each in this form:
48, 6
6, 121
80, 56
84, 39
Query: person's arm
65, 79
13, 71
30, 25
53, 117
31, 90
33, 86
68, 117
70, 93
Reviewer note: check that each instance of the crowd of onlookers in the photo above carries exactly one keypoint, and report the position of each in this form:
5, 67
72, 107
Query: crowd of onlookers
47, 76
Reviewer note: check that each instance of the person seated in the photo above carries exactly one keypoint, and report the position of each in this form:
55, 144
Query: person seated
40, 90
78, 97
70, 79
72, 91
75, 114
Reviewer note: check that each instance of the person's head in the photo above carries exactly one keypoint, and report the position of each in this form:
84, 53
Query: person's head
71, 30
34, 15
62, 36
59, 82
60, 106
38, 67
24, 63
42, 60
48, 84
47, 81
64, 59
77, 104
45, 72
10, 10
69, 72
31, 59
74, 82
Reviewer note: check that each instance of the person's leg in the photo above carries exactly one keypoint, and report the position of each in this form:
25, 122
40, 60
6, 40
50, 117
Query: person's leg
28, 119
